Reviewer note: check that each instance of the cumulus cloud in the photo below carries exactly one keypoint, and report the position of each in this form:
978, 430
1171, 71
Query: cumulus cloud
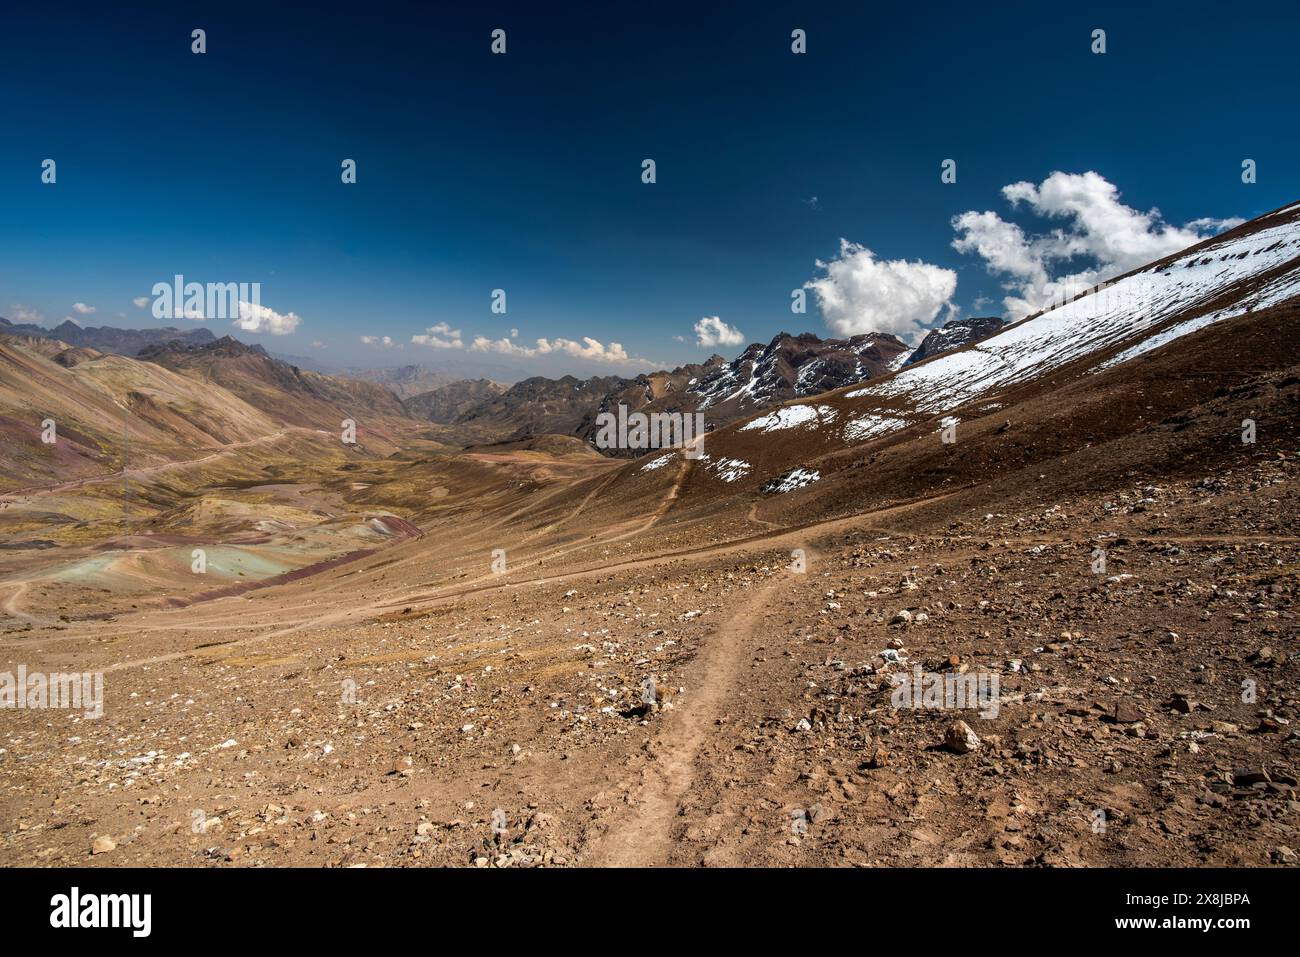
589, 349
385, 341
254, 317
712, 331
141, 302
23, 314
82, 308
441, 336
1099, 238
861, 293
503, 346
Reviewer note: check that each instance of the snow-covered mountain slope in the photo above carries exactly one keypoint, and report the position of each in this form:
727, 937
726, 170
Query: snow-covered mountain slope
1251, 267
794, 367
1081, 348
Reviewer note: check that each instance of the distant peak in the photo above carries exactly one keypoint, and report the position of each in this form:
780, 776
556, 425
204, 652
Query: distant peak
954, 334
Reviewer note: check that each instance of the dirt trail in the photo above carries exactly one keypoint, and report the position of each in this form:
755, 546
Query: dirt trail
754, 517
779, 534
644, 525
796, 535
534, 504
10, 605
644, 836
540, 560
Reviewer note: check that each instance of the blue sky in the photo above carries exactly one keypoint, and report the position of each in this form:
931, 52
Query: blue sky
523, 172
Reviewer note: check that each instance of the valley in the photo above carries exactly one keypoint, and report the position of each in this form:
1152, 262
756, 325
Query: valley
397, 645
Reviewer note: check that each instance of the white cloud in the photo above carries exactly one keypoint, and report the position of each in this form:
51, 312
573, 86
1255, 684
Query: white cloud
141, 302
503, 346
317, 344
861, 293
1212, 225
22, 314
712, 331
1002, 245
259, 318
590, 349
385, 341
441, 336
82, 308
1100, 238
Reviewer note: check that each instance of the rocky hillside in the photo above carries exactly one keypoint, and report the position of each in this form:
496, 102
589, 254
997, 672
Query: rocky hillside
447, 403
99, 405
791, 367
289, 394
568, 405
788, 367
539, 405
408, 380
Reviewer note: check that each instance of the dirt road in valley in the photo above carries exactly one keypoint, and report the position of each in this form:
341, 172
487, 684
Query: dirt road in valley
477, 693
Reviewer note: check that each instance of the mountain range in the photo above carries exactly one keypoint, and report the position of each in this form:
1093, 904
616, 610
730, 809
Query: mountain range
1247, 268
475, 411
126, 342
787, 367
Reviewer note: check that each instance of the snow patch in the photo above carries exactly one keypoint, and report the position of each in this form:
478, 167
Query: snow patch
871, 426
794, 479
729, 470
790, 417
900, 360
